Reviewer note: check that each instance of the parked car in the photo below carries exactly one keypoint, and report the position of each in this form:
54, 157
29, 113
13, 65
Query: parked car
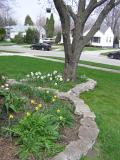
114, 55
41, 46
49, 40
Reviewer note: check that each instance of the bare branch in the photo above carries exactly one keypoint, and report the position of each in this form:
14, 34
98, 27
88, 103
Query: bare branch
92, 6
81, 6
99, 20
73, 15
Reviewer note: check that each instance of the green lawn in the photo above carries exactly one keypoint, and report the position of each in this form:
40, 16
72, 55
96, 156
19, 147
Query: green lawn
9, 51
104, 100
5, 43
61, 48
92, 64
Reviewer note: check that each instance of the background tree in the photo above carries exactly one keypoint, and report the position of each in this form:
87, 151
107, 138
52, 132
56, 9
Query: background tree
6, 18
19, 39
2, 34
58, 37
28, 21
50, 26
40, 23
32, 36
84, 10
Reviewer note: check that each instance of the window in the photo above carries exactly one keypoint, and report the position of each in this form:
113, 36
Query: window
96, 39
110, 40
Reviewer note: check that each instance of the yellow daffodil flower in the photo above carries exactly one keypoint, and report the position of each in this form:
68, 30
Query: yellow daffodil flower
58, 110
36, 108
28, 114
61, 118
53, 100
33, 102
39, 105
55, 96
11, 116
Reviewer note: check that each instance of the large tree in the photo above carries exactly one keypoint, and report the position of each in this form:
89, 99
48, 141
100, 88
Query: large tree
85, 8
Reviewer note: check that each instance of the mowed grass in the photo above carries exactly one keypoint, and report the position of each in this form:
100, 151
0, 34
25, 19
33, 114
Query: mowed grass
104, 100
90, 63
61, 48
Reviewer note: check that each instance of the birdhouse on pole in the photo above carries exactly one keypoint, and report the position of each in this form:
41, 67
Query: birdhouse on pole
48, 10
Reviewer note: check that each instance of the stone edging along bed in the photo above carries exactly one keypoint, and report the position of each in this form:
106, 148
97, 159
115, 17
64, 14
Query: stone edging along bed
88, 130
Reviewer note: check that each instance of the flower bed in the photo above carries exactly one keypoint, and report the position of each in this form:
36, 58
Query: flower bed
36, 120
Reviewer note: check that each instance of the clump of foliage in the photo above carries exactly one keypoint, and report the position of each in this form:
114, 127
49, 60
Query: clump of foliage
19, 39
12, 102
37, 134
2, 34
32, 36
58, 38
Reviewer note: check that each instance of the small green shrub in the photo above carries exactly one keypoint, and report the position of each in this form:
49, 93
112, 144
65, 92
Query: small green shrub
37, 135
12, 103
32, 36
2, 34
62, 113
58, 38
19, 39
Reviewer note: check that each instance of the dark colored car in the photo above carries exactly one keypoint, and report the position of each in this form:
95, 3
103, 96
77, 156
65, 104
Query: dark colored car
114, 55
41, 46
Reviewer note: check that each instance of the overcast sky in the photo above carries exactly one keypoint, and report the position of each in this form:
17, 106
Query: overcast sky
32, 7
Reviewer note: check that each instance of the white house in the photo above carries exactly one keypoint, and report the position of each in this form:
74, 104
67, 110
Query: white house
103, 38
12, 31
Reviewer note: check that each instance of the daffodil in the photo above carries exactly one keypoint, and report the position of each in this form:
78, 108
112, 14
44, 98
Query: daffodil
61, 118
47, 92
53, 100
11, 116
58, 110
36, 108
39, 105
33, 102
55, 96
28, 114
55, 84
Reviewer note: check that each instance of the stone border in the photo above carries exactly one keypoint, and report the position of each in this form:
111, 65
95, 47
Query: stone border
88, 130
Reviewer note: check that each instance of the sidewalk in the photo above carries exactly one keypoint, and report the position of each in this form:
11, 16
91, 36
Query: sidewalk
61, 61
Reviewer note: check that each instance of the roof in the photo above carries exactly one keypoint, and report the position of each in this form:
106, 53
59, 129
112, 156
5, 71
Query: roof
20, 28
104, 28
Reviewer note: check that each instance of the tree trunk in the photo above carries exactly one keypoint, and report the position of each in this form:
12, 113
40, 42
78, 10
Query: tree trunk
70, 69
71, 62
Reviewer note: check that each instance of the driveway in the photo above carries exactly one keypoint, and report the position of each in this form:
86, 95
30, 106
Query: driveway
92, 56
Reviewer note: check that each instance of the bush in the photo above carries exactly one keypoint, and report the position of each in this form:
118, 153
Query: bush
19, 39
58, 37
32, 36
12, 102
2, 34
37, 134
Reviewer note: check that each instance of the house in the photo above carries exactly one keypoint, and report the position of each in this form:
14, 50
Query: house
102, 38
12, 31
